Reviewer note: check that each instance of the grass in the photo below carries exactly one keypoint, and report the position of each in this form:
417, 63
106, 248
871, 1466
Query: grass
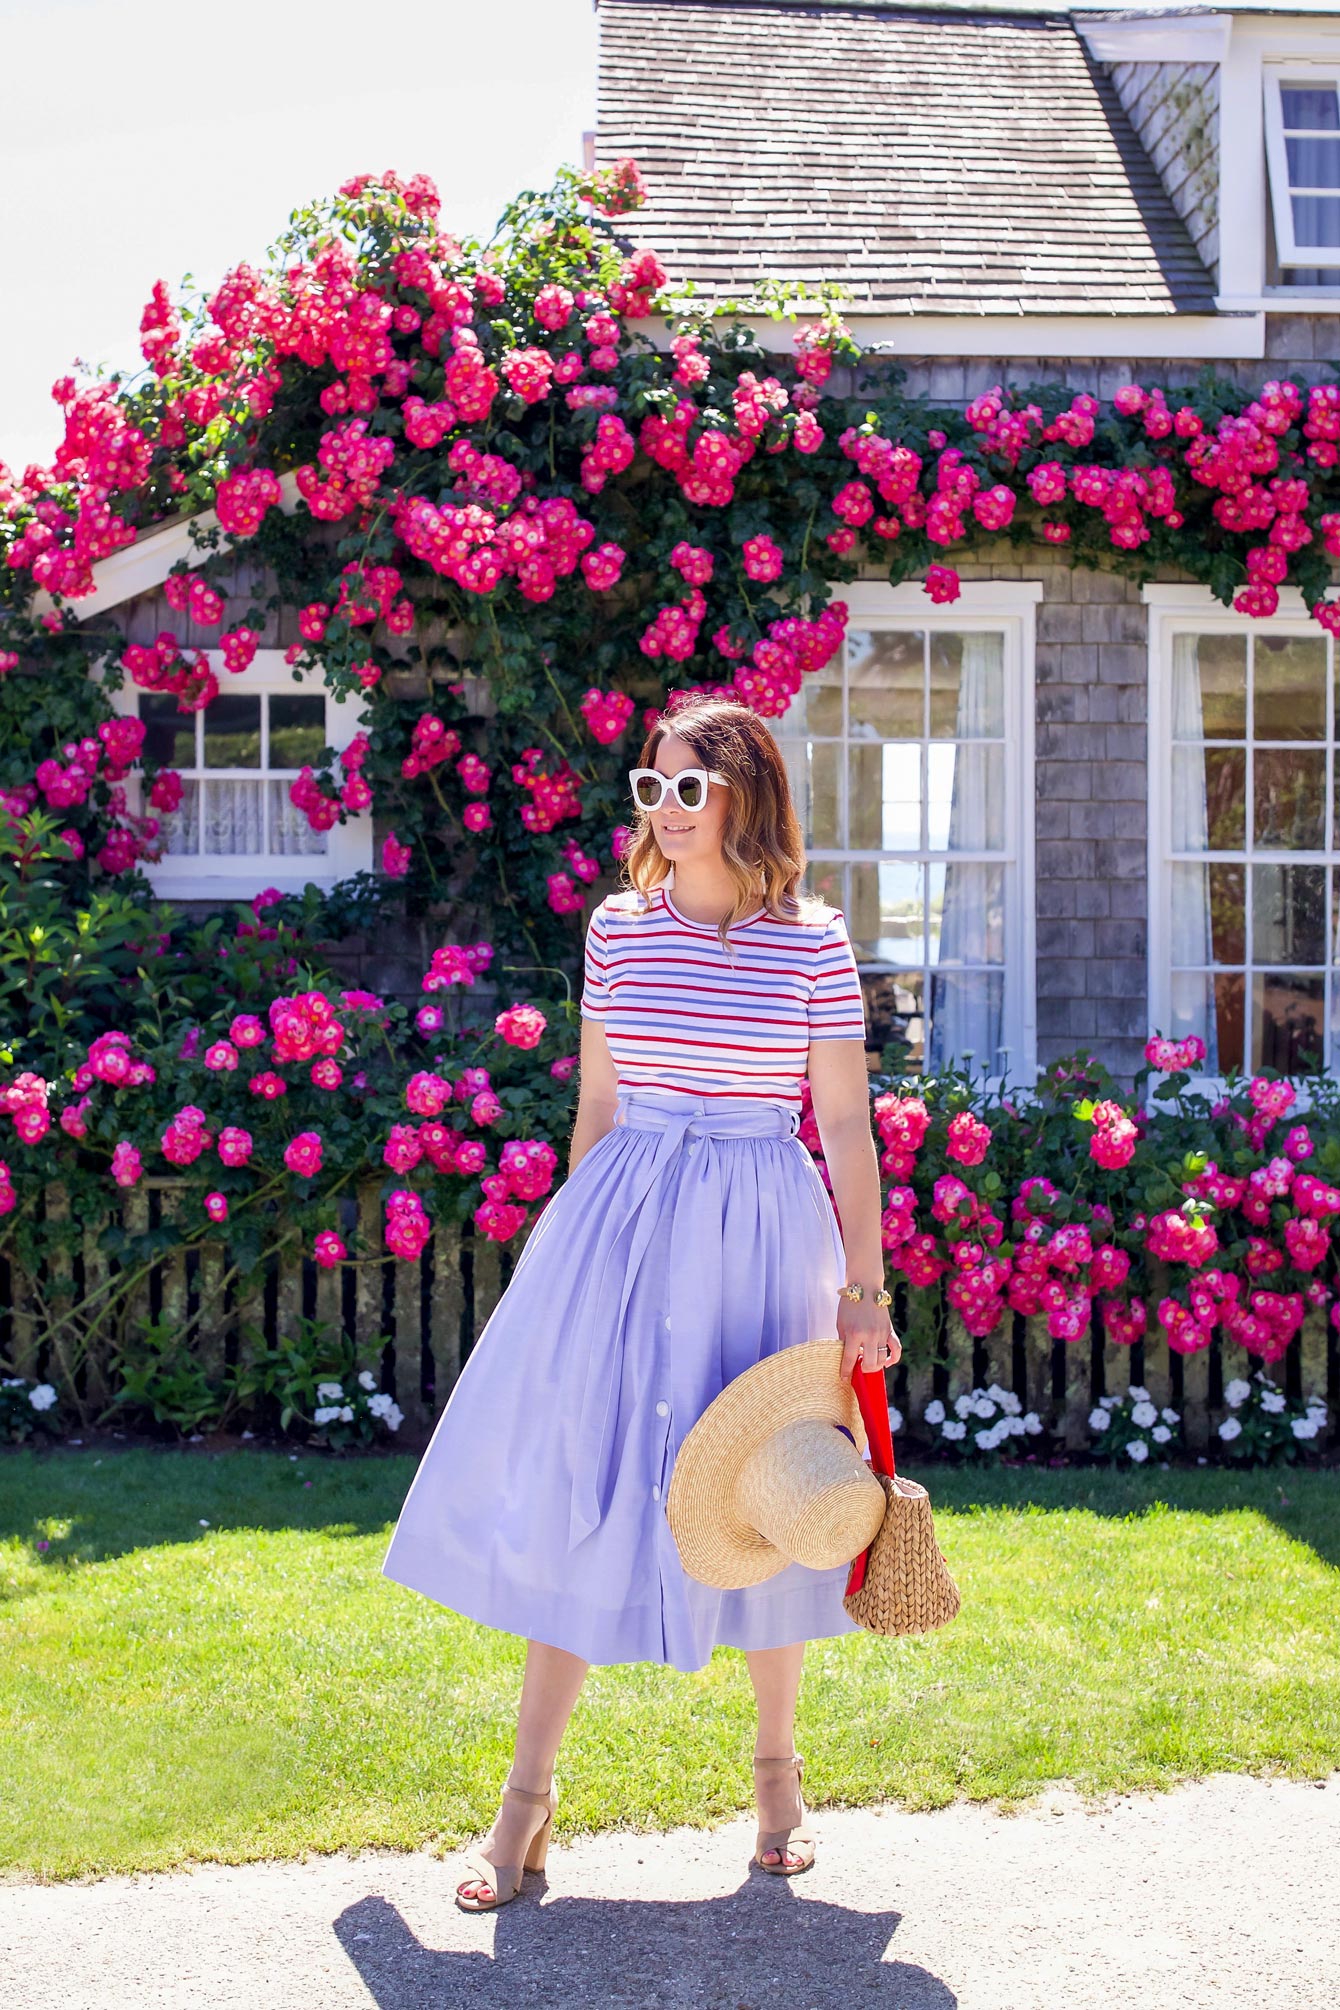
172, 1691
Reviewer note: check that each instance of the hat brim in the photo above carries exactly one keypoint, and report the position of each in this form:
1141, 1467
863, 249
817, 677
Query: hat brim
715, 1545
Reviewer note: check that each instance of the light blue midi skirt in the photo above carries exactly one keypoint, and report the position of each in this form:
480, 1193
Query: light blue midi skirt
692, 1240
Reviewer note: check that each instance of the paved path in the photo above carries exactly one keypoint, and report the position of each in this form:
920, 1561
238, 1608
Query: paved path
1222, 1892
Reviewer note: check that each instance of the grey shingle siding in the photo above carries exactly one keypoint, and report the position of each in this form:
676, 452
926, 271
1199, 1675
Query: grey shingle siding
1174, 108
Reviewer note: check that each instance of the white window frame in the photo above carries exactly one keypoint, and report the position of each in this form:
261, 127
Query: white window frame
238, 876
1007, 607
1259, 48
1287, 248
1188, 608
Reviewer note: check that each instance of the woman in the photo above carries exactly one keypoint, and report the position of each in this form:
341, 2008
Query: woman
693, 1236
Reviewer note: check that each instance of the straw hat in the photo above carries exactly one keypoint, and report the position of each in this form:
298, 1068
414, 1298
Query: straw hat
766, 1476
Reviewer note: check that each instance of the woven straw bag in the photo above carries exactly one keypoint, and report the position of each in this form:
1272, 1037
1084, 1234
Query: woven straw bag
901, 1584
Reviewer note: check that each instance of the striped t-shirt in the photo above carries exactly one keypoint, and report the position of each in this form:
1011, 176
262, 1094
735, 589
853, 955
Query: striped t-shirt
681, 1018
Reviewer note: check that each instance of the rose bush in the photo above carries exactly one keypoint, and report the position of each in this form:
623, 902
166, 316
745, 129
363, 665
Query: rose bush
497, 481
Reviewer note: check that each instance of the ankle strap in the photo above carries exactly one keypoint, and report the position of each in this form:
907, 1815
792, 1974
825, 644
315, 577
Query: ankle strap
794, 1760
525, 1794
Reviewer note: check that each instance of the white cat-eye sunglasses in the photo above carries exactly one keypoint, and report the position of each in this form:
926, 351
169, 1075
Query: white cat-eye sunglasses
689, 786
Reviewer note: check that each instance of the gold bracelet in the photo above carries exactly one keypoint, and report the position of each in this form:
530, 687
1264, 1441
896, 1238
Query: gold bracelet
856, 1292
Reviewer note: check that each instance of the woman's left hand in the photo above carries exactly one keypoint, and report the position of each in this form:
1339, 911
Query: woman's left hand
867, 1335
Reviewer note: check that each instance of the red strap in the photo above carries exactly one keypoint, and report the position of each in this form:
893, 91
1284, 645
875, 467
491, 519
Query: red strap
872, 1397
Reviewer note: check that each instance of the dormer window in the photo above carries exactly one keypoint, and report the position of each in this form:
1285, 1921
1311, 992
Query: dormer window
1302, 117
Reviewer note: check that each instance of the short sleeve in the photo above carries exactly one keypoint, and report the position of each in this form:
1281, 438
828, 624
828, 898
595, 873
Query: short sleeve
837, 1003
595, 991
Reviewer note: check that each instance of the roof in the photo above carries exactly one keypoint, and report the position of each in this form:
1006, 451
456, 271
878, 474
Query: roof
934, 160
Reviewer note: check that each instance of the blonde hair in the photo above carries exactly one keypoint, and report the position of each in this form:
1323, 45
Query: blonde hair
761, 839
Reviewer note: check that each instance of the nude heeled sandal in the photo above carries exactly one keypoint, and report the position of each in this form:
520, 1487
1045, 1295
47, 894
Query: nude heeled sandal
795, 1841
504, 1879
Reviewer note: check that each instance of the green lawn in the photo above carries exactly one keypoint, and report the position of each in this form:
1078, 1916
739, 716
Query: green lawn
254, 1687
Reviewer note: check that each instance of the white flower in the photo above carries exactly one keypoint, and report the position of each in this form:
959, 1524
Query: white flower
1169, 1416
1003, 1396
1143, 1415
42, 1397
984, 1408
934, 1412
329, 1392
1237, 1392
347, 1414
1011, 1405
12, 1382
963, 1405
986, 1439
323, 1413
1012, 1426
953, 1430
1099, 1420
366, 1379
1303, 1427
1160, 1434
1138, 1391
1230, 1429
1032, 1423
895, 1418
1138, 1450
203, 1522
1272, 1401
380, 1403
1107, 1401
395, 1416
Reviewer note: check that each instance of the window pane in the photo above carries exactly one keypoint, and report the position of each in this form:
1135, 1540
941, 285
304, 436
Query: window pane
967, 686
967, 914
1287, 1021
887, 920
233, 732
179, 830
812, 766
1289, 914
1209, 687
233, 816
884, 797
966, 1018
817, 705
894, 1005
1290, 811
1209, 787
1313, 163
885, 685
966, 806
827, 878
1289, 688
169, 733
290, 832
1208, 915
1316, 219
1314, 105
297, 731
1213, 1007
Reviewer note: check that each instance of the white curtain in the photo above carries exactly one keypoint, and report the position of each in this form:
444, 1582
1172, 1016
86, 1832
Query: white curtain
1192, 935
290, 832
234, 817
966, 1005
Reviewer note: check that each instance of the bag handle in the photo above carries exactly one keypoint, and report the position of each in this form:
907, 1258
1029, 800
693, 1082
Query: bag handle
872, 1396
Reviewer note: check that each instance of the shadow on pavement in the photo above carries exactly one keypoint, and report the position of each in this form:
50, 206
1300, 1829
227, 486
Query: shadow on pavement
763, 1946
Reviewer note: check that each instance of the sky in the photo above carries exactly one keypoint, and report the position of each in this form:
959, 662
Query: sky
144, 140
